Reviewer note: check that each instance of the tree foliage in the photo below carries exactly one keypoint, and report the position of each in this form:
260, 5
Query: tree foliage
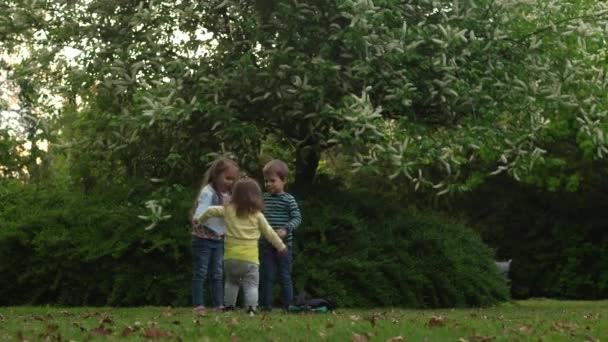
496, 86
441, 94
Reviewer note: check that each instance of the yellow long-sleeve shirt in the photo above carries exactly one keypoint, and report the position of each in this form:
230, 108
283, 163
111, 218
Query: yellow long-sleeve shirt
242, 233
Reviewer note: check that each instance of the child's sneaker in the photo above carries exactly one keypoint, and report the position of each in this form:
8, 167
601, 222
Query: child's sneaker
251, 311
220, 308
199, 310
228, 308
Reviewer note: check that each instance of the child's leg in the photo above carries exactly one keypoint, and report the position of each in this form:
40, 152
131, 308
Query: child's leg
233, 281
284, 265
251, 281
216, 270
268, 270
200, 262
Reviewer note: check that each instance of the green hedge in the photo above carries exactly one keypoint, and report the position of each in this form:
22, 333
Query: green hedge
365, 251
65, 247
558, 240
62, 246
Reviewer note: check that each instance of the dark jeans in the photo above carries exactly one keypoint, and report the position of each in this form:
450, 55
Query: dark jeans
207, 257
272, 263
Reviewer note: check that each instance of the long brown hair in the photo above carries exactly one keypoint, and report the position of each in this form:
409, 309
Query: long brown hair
247, 197
218, 166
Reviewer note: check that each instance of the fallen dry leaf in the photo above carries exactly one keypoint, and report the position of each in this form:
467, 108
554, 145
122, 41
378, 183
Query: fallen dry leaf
359, 338
592, 316
106, 320
52, 327
355, 318
42, 318
480, 338
436, 321
322, 335
396, 339
329, 325
233, 338
525, 329
77, 325
374, 320
561, 326
50, 336
234, 321
100, 331
591, 339
90, 314
155, 333
127, 331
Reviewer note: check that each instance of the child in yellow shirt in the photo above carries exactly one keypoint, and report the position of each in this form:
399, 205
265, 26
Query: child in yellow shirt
244, 223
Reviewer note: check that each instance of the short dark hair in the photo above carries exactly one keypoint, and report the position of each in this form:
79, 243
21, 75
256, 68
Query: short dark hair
247, 197
276, 167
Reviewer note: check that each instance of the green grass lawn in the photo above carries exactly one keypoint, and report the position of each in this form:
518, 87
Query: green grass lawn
547, 320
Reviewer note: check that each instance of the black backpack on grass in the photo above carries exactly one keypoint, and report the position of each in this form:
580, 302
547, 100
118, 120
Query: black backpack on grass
304, 304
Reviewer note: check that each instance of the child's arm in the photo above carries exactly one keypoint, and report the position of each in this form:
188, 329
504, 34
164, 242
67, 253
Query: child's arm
270, 234
205, 200
213, 211
295, 218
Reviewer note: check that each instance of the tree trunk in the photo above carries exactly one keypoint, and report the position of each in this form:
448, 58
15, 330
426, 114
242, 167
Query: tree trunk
307, 161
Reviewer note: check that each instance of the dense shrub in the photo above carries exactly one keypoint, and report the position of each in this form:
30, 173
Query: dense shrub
558, 240
370, 251
64, 247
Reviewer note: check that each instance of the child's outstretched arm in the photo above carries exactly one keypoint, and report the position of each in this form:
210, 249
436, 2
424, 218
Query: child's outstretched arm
295, 217
205, 200
270, 234
214, 211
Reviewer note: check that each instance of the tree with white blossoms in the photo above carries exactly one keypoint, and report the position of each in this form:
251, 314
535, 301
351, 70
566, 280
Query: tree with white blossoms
487, 87
437, 94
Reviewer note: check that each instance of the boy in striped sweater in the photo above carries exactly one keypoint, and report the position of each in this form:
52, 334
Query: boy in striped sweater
282, 212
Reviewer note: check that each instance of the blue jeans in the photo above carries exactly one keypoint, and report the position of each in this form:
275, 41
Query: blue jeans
272, 263
207, 257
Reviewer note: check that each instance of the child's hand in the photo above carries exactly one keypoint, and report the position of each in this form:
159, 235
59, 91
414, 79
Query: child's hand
282, 233
282, 252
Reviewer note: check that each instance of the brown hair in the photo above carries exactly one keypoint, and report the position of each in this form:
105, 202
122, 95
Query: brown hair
247, 197
276, 167
218, 166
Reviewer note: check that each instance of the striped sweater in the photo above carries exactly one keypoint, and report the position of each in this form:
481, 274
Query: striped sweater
281, 211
